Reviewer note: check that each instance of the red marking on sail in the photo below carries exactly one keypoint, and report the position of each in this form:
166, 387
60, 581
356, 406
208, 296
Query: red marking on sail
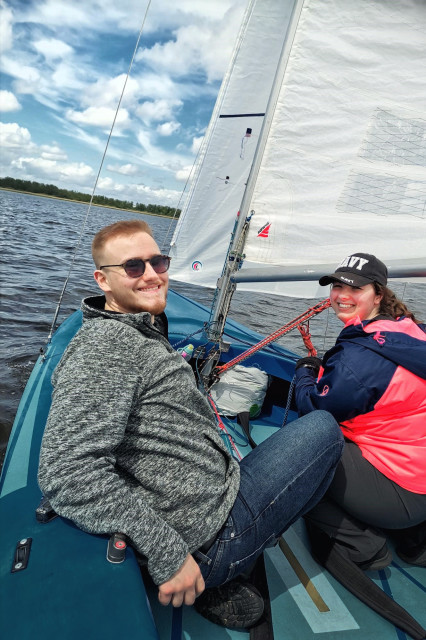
264, 231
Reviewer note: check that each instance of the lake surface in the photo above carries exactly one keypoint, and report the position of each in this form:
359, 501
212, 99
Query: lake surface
38, 238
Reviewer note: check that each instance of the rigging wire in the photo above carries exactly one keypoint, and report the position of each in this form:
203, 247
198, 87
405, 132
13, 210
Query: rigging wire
89, 207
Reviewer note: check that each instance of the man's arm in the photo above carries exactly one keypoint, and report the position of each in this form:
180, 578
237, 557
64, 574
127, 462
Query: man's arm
184, 586
90, 410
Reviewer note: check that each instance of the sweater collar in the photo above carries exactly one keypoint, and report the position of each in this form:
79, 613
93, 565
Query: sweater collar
94, 307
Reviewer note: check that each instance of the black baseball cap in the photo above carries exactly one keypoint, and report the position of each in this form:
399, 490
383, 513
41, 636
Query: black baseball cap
358, 270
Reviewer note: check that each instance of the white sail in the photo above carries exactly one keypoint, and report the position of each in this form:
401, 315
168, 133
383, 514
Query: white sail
344, 163
203, 233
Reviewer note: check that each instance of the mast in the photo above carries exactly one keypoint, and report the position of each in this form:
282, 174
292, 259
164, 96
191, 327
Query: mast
225, 285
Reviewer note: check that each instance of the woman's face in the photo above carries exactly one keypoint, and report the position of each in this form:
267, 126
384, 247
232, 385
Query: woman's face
349, 302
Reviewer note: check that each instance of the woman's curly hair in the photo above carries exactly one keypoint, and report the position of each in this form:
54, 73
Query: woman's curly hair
391, 305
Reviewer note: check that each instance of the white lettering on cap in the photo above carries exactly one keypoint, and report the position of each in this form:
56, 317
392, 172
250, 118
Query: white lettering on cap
351, 261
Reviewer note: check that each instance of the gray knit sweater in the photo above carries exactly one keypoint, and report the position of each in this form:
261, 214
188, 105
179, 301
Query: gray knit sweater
131, 445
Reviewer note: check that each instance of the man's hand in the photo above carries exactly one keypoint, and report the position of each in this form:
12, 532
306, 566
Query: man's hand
184, 586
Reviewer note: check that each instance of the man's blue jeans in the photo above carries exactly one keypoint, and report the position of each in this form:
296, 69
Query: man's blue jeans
283, 478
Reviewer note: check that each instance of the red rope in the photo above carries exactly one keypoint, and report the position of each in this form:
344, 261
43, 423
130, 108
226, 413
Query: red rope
307, 338
223, 428
297, 322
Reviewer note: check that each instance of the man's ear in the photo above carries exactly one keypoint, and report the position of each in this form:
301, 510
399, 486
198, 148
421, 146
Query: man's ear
101, 280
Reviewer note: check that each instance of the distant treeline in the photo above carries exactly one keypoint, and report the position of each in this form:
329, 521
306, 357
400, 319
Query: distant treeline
55, 192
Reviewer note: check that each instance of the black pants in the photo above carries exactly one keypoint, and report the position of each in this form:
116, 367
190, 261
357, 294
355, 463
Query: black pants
361, 504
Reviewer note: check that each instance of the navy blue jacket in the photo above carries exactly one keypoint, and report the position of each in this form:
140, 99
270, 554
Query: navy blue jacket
358, 370
374, 384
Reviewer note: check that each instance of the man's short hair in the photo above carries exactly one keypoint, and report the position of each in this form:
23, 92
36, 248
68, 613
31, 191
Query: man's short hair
120, 228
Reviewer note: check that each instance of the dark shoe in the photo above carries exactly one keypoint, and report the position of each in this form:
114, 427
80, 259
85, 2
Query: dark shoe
381, 560
236, 605
415, 555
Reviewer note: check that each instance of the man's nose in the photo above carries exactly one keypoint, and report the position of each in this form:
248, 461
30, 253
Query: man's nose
149, 271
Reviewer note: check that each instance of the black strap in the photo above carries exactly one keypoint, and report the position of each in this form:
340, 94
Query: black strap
263, 629
243, 419
357, 582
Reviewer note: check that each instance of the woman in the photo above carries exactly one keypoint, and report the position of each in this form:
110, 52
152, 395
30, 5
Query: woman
373, 381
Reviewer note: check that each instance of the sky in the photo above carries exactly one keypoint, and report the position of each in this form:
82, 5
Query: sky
63, 66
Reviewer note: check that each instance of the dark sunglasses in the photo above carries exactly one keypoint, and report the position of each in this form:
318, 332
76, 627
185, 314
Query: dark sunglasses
135, 267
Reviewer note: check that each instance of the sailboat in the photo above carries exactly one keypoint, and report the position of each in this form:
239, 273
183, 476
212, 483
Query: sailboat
316, 149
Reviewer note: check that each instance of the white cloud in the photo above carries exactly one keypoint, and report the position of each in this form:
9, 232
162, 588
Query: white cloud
6, 21
13, 136
151, 195
168, 128
183, 174
52, 48
205, 45
156, 86
62, 13
103, 15
98, 116
196, 144
106, 91
106, 183
138, 192
29, 74
125, 169
8, 101
144, 140
79, 135
53, 152
66, 79
42, 167
158, 110
51, 88
21, 157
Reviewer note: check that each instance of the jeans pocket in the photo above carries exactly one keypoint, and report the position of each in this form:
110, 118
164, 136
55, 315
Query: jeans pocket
238, 567
209, 562
201, 558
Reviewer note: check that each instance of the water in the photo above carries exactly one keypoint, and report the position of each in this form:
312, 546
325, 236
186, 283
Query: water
38, 239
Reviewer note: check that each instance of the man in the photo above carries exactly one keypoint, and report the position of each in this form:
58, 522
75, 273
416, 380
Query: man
131, 445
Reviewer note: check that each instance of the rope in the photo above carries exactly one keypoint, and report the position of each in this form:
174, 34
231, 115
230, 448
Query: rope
307, 338
310, 313
289, 398
187, 337
224, 430
55, 317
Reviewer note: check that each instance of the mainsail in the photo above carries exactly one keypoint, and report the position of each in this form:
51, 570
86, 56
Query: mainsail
340, 156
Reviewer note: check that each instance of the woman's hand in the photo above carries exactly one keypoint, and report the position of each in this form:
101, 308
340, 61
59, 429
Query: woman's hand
311, 362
